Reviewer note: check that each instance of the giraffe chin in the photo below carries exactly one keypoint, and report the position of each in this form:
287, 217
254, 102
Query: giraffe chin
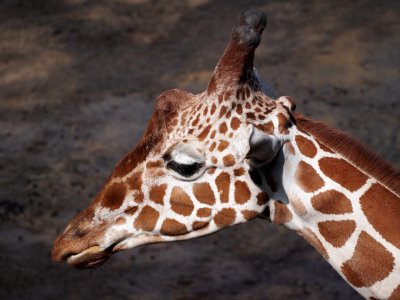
90, 258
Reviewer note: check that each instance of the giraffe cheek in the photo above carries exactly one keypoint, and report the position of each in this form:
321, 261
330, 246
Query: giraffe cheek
181, 202
203, 193
147, 219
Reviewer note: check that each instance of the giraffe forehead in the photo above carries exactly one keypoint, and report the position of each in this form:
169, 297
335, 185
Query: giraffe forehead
221, 122
211, 116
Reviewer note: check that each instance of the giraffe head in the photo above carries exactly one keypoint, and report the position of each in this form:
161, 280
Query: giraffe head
195, 170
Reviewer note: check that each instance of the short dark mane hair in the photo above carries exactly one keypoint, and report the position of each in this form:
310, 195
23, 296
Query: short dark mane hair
353, 150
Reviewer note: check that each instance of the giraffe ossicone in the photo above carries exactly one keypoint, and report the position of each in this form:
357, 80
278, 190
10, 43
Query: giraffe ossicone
233, 153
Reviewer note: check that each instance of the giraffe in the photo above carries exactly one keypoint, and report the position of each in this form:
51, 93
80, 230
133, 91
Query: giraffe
234, 153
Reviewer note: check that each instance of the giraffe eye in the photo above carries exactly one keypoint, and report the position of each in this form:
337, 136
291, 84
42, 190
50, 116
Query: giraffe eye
185, 163
183, 169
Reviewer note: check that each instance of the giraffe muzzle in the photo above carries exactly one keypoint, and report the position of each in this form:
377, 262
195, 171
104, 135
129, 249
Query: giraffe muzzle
90, 257
80, 247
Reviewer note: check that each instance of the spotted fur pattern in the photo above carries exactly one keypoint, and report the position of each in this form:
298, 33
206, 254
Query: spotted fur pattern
350, 217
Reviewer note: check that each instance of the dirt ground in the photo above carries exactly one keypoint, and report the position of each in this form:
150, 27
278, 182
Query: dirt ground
77, 84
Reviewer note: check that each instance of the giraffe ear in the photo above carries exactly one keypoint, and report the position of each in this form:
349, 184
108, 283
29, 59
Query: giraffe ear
288, 102
263, 147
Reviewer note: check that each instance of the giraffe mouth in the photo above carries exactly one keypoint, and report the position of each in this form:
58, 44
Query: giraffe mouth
95, 256
90, 258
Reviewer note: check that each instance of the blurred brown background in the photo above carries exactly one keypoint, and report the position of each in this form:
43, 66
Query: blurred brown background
77, 84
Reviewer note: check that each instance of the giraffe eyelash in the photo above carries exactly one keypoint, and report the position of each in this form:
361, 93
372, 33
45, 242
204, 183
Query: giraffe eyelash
183, 169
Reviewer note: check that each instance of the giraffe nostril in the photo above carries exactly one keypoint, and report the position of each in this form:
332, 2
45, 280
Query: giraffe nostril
61, 254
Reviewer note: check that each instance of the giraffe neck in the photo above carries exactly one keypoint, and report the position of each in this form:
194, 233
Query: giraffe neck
349, 215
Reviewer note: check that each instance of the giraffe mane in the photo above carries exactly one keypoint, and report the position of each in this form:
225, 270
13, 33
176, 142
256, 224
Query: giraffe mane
353, 150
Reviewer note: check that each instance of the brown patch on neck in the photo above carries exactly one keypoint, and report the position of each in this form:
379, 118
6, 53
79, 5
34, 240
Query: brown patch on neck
324, 148
353, 150
306, 147
382, 209
308, 178
371, 262
343, 173
337, 232
331, 202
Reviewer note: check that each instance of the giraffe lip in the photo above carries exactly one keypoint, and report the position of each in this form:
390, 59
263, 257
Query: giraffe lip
90, 258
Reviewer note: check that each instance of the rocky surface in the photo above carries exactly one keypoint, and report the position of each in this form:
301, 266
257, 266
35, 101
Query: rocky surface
77, 84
